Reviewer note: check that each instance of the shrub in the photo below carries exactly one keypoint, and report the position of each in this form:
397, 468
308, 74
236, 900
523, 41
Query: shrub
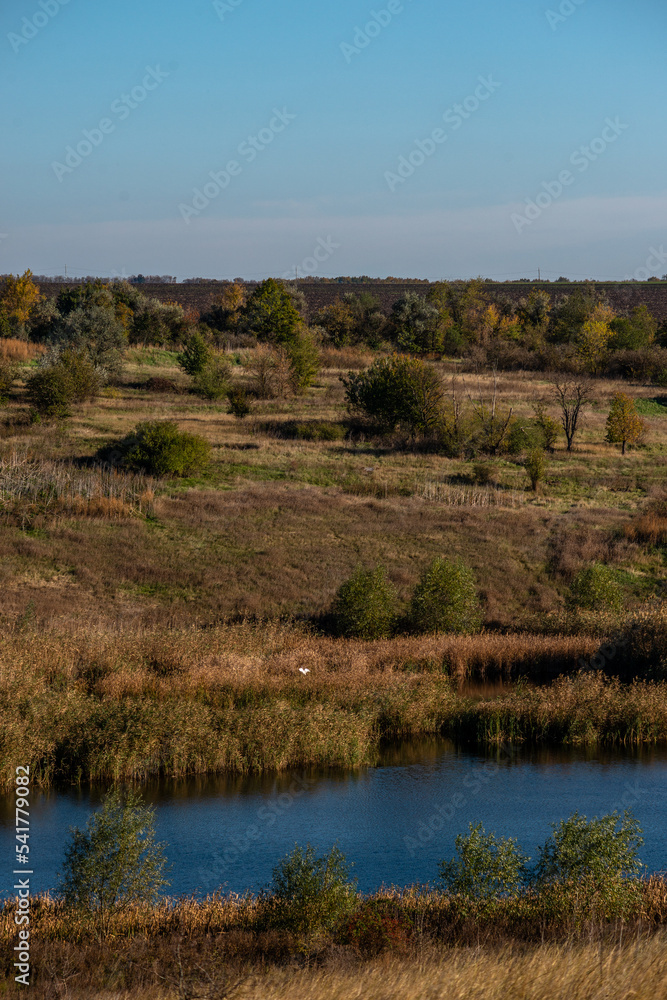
50, 391
322, 431
641, 645
624, 425
397, 391
445, 600
365, 606
309, 892
484, 473
212, 380
594, 588
195, 355
595, 859
377, 926
486, 867
8, 373
549, 427
239, 404
85, 379
304, 360
161, 449
536, 467
115, 862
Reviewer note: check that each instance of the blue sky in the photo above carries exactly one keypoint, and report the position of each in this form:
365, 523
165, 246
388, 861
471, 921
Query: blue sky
339, 125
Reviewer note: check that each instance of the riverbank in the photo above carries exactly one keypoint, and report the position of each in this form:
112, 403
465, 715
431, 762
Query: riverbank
425, 942
98, 704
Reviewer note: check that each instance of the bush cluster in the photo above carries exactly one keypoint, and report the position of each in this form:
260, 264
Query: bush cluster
445, 600
161, 449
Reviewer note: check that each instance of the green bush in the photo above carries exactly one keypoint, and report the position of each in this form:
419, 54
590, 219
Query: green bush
161, 449
85, 379
535, 465
595, 589
195, 355
365, 606
212, 380
445, 600
319, 431
484, 473
304, 360
239, 405
50, 391
397, 392
310, 893
486, 867
596, 860
114, 863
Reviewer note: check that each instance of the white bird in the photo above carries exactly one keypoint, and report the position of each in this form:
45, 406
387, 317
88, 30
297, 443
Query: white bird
304, 670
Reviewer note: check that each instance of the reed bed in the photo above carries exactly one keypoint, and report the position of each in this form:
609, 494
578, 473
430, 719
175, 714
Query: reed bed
221, 946
30, 488
112, 704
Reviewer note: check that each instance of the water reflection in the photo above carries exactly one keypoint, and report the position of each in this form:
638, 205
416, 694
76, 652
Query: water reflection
395, 821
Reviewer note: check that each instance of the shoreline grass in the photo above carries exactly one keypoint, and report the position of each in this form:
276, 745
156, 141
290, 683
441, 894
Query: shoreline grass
446, 947
103, 704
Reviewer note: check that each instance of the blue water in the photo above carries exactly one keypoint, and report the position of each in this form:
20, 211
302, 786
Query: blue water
394, 821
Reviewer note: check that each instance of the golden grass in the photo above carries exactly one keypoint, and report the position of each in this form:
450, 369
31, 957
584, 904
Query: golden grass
20, 350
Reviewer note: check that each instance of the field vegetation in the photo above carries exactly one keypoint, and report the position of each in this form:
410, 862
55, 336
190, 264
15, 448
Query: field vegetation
177, 520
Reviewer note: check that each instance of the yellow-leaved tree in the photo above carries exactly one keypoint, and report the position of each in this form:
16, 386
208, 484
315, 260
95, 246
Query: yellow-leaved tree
18, 297
624, 425
594, 337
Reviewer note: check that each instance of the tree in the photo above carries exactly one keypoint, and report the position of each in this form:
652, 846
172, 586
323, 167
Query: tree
415, 324
445, 599
486, 866
594, 337
572, 395
624, 425
365, 606
304, 359
598, 858
536, 467
212, 380
270, 314
548, 426
595, 588
195, 355
114, 863
338, 321
311, 892
633, 332
18, 298
397, 391
95, 329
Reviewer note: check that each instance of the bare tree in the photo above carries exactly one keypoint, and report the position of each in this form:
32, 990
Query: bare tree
494, 422
572, 394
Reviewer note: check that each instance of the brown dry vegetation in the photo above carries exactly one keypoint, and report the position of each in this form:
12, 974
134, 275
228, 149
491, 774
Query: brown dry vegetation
216, 947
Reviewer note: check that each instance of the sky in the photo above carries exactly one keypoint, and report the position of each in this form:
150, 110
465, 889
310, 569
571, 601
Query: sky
411, 138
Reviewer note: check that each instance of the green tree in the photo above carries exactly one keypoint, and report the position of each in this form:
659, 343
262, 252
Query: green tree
115, 862
445, 599
624, 425
536, 467
633, 332
486, 867
195, 355
270, 314
595, 588
239, 404
549, 427
212, 380
415, 324
304, 361
397, 391
365, 606
596, 859
310, 892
